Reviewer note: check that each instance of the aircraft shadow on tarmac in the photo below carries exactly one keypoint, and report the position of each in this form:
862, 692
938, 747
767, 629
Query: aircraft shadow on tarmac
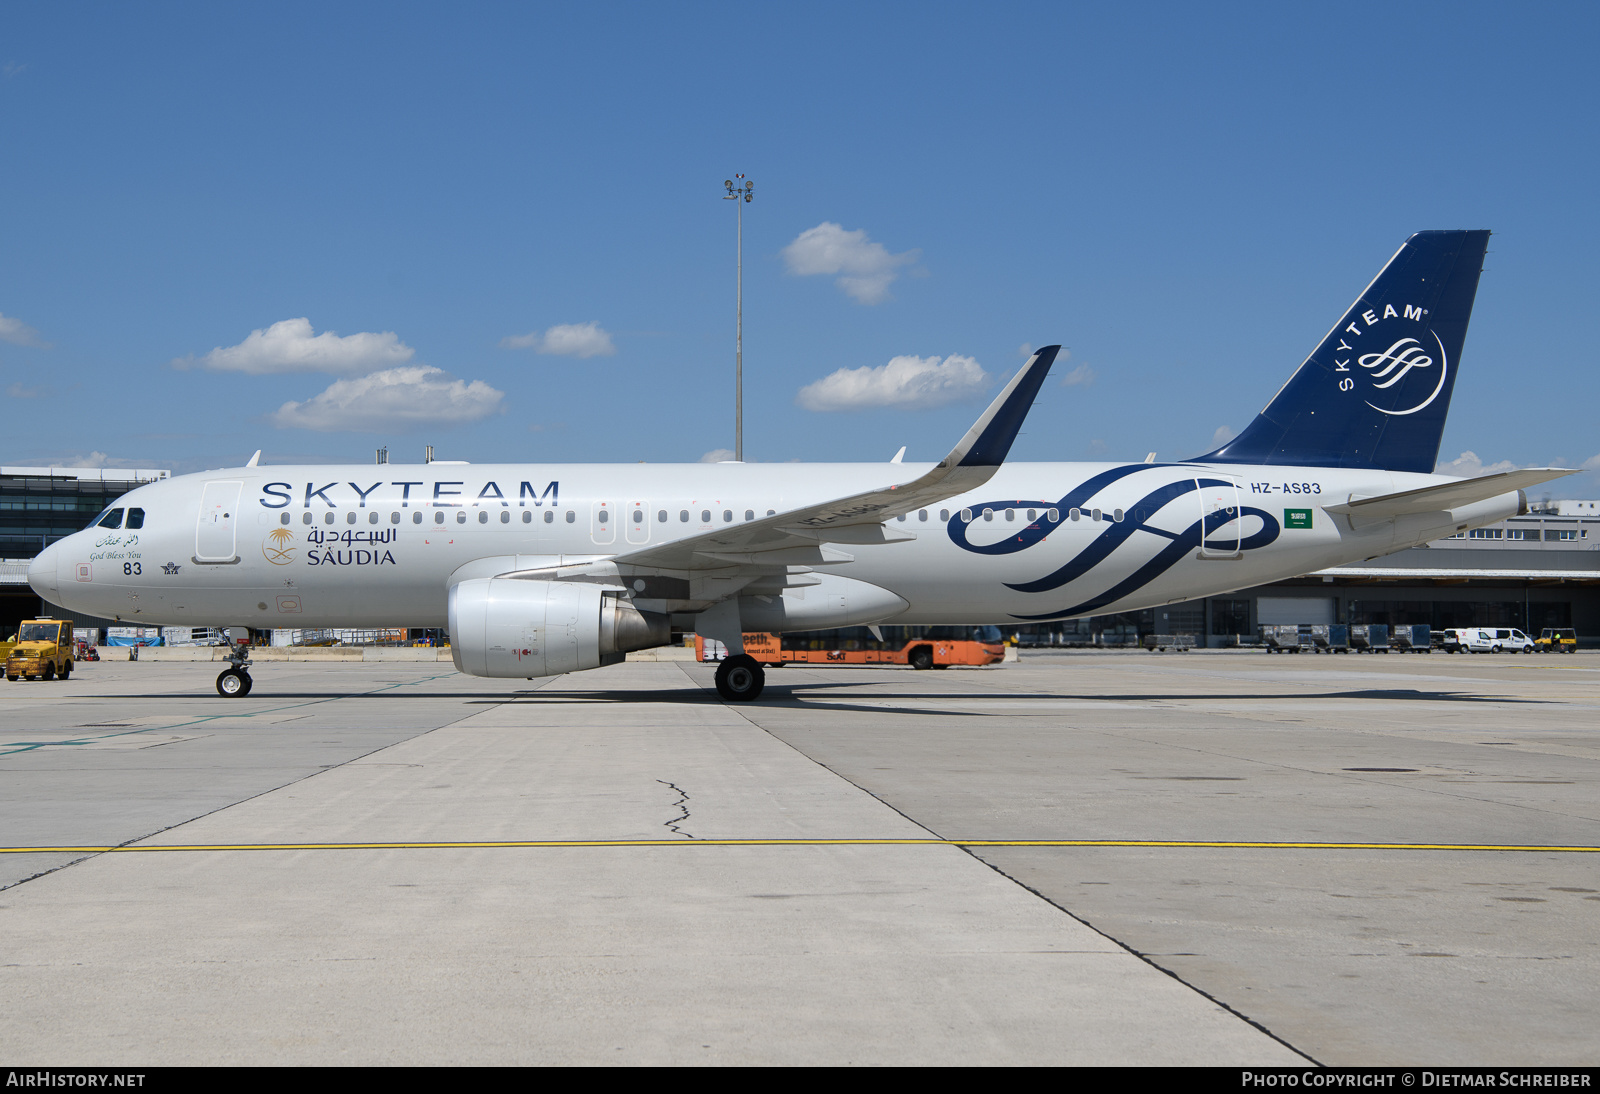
791, 695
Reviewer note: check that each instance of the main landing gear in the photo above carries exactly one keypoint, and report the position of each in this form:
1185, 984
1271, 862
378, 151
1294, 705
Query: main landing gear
740, 679
234, 682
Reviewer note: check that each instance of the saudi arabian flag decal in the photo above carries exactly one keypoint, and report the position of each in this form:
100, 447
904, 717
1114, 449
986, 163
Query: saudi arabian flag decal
1297, 518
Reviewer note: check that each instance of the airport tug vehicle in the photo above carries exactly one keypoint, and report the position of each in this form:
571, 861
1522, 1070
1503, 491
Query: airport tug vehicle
43, 650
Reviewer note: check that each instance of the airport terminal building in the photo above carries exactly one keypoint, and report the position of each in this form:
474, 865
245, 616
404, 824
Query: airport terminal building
1530, 572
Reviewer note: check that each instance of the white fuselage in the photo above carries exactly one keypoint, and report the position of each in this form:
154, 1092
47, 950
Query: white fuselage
366, 546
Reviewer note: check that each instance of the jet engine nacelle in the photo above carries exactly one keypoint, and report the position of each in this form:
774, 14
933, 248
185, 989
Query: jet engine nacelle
505, 627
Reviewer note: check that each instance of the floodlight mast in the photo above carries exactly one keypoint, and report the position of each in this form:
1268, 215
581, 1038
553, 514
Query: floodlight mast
735, 192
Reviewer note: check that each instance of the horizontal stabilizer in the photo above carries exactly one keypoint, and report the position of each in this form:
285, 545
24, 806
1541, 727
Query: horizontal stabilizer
1449, 495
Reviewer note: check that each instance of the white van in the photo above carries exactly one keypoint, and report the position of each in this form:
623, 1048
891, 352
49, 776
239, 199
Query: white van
1495, 640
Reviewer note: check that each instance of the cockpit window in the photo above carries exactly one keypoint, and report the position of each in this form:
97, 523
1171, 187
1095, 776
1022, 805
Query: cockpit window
135, 518
112, 519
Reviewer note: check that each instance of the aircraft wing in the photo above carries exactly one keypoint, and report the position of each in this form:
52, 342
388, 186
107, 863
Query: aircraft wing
1431, 499
797, 537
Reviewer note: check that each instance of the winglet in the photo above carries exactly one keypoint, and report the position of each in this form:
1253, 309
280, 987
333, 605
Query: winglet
254, 459
989, 440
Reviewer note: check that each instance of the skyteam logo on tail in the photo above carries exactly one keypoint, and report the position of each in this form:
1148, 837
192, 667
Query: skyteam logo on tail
1387, 368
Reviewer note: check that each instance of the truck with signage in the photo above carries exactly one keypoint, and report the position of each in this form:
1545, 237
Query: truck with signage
919, 647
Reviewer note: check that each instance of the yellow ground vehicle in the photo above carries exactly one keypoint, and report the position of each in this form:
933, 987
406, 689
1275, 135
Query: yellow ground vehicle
1557, 640
43, 649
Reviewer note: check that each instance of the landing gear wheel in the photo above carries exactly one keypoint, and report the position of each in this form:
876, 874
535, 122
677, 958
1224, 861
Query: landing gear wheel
233, 684
740, 679
921, 658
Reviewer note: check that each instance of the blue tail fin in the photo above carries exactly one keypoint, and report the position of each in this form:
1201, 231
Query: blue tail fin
1375, 392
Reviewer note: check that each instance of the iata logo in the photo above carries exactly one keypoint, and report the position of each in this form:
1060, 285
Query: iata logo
1387, 368
276, 547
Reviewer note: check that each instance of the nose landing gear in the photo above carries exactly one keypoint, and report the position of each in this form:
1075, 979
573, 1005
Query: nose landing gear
234, 682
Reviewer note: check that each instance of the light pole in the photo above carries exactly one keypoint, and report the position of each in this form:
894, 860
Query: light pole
734, 194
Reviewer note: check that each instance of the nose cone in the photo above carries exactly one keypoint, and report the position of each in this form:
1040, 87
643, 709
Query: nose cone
42, 574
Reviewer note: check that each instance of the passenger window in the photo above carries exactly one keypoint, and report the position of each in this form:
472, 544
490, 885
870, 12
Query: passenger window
305, 518
966, 516
416, 518
112, 519
527, 517
605, 516
661, 516
572, 518
438, 517
550, 517
705, 516
988, 514
901, 518
1074, 514
283, 518
461, 516
944, 515
638, 516
1052, 515
1011, 514
727, 516
505, 516
1116, 515
922, 514
327, 518
350, 517
394, 518
483, 517
749, 514
1033, 515
1094, 514
683, 515
772, 512
135, 518
372, 517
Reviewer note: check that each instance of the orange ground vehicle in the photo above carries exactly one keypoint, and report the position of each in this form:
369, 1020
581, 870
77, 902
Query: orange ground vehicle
919, 647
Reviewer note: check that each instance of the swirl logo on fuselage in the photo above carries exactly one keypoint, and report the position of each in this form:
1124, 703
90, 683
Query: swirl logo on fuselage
1194, 537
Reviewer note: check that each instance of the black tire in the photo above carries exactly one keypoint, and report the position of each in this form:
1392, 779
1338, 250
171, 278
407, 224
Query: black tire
49, 671
66, 671
233, 684
740, 679
921, 658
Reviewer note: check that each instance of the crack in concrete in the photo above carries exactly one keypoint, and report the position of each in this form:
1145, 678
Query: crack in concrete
682, 806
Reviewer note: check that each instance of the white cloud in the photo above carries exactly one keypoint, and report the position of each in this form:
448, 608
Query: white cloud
1468, 465
18, 391
289, 346
911, 383
17, 332
1222, 436
866, 267
717, 455
566, 340
395, 398
1592, 463
1082, 376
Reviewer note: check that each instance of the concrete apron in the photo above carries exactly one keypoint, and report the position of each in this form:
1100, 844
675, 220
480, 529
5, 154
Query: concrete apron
819, 954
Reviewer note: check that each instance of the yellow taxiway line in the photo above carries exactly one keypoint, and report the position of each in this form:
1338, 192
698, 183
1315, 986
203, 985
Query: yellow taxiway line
501, 844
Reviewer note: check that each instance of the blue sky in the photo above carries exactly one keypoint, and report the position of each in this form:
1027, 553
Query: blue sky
1187, 196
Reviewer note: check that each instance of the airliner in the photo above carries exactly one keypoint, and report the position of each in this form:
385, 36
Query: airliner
538, 570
